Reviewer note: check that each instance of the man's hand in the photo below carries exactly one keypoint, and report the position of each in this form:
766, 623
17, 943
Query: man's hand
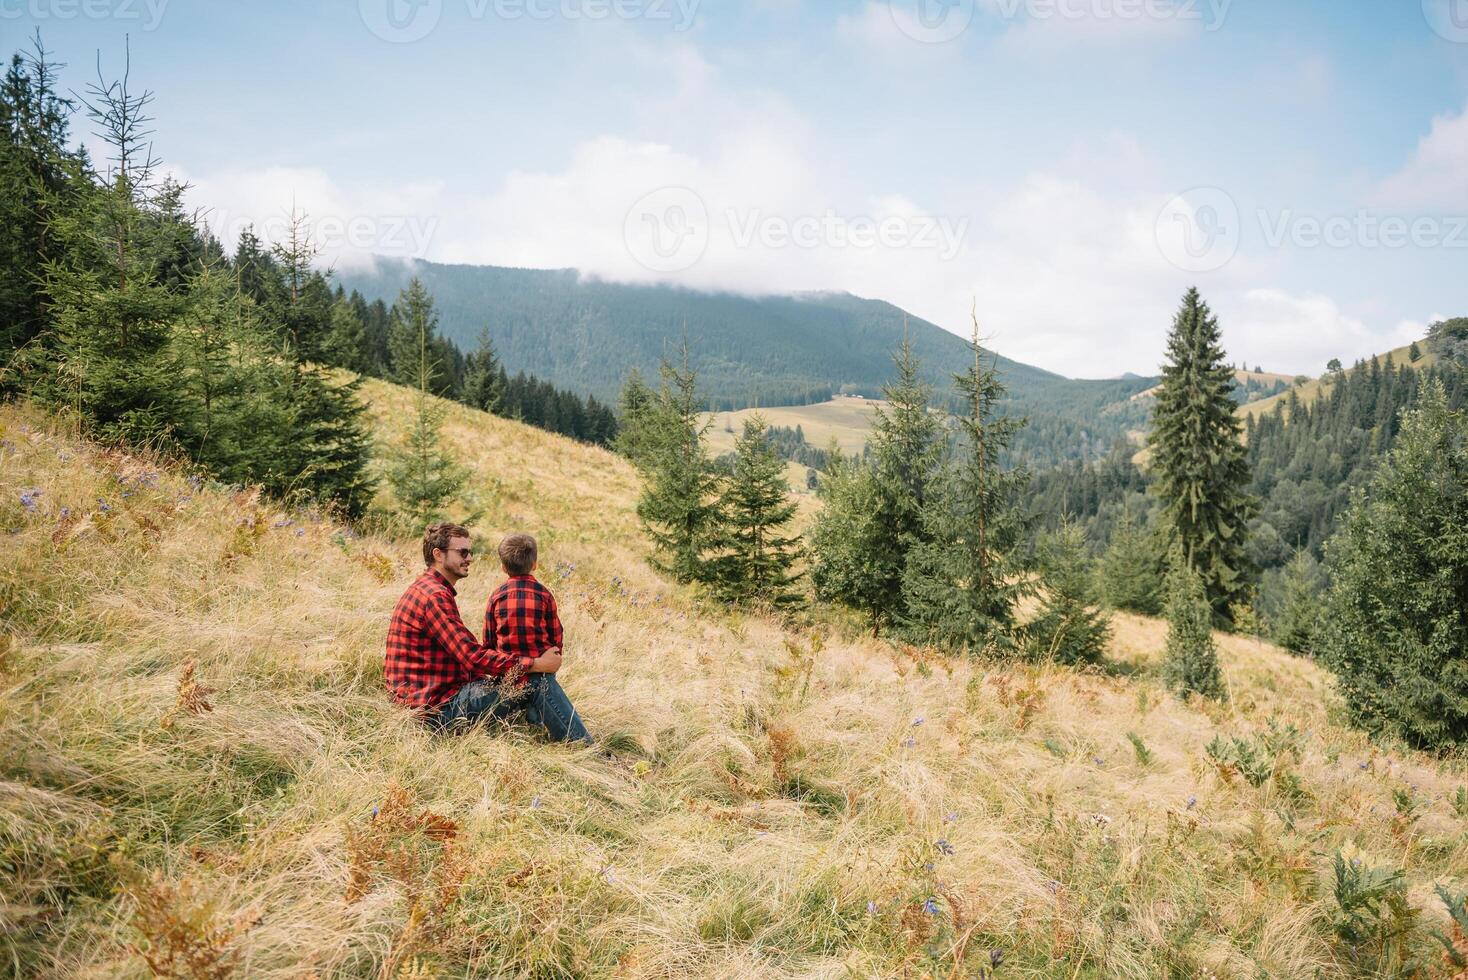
547, 663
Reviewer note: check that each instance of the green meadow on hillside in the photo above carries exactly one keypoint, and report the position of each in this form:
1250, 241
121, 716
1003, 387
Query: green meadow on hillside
203, 776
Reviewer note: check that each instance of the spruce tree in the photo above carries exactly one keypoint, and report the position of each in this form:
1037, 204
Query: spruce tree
412, 338
677, 503
424, 477
635, 418
484, 386
347, 344
1293, 626
966, 569
1199, 459
1068, 630
906, 446
848, 539
755, 511
112, 317
1395, 623
40, 176
1191, 664
1129, 575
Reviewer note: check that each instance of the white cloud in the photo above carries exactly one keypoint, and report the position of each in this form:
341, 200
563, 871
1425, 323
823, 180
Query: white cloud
1436, 178
348, 223
1065, 276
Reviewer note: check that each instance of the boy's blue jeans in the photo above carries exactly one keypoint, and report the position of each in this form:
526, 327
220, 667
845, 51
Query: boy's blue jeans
542, 701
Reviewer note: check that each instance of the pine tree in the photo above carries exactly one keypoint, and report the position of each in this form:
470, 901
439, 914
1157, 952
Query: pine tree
301, 305
677, 503
1201, 464
758, 554
905, 449
424, 477
1191, 664
412, 338
636, 408
1395, 623
849, 540
346, 345
484, 380
1130, 571
112, 317
1068, 630
1294, 626
40, 176
966, 568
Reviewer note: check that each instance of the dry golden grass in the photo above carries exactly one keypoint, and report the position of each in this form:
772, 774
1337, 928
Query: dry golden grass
1313, 389
780, 799
846, 420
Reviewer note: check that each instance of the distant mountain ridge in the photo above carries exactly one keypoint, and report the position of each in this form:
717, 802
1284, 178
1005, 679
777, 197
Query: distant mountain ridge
586, 334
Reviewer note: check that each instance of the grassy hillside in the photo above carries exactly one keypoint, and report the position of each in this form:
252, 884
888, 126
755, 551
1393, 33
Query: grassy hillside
846, 420
1313, 389
201, 768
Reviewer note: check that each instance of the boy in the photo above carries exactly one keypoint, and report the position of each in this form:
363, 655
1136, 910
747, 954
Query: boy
521, 621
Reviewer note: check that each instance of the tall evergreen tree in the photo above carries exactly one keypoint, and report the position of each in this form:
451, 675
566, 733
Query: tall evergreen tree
347, 344
1294, 624
1395, 623
1068, 629
484, 386
1129, 575
967, 568
1201, 464
424, 477
412, 338
848, 539
677, 504
1191, 663
634, 434
39, 178
755, 510
112, 316
906, 446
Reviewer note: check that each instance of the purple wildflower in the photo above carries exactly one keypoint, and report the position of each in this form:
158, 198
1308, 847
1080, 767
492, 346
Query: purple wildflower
1192, 802
931, 906
917, 721
871, 908
909, 742
943, 846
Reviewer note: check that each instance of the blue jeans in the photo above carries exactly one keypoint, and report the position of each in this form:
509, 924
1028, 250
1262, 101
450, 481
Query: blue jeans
541, 699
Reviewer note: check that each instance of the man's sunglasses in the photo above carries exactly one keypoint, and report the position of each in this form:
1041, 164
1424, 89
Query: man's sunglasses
465, 552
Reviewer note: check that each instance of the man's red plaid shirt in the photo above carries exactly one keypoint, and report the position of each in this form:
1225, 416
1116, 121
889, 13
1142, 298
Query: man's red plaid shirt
521, 618
431, 653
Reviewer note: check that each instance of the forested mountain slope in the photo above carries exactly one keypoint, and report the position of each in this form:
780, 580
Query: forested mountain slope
586, 334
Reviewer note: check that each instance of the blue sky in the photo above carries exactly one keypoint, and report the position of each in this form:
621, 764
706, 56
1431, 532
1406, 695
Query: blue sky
1066, 167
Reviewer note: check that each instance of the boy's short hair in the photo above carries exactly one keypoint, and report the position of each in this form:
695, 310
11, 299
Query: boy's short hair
439, 536
518, 554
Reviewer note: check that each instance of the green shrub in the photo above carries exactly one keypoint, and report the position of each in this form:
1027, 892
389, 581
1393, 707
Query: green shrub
1192, 658
1395, 628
